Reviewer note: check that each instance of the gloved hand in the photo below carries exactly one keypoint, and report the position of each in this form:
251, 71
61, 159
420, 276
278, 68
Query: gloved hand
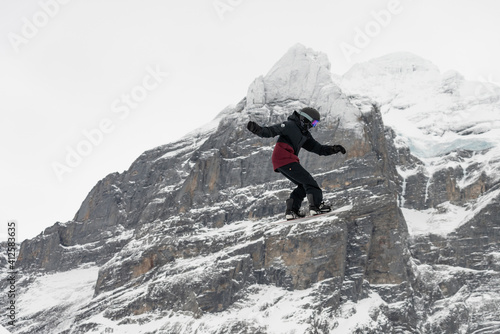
254, 127
336, 149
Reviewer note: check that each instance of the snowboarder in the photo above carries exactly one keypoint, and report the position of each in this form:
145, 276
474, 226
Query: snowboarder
294, 134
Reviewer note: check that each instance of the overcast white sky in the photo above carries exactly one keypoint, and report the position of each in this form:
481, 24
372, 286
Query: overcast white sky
73, 66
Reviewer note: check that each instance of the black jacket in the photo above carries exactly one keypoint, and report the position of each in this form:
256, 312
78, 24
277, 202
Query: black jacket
292, 137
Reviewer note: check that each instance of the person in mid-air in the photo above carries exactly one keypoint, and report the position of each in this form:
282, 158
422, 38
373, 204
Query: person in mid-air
293, 135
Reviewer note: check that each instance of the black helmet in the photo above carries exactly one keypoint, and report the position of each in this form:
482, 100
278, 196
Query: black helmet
310, 115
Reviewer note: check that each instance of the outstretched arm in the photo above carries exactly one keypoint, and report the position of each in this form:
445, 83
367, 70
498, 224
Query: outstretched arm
266, 132
254, 128
312, 145
335, 149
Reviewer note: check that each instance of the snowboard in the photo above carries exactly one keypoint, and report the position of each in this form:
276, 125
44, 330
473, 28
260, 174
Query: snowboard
303, 219
306, 218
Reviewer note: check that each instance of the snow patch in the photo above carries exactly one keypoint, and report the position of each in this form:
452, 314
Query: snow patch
441, 221
356, 317
446, 218
66, 291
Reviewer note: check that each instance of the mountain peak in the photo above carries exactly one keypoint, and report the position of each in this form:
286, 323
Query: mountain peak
299, 75
388, 76
300, 55
398, 63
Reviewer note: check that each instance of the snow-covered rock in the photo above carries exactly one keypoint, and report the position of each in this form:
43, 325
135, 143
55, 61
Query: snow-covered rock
299, 75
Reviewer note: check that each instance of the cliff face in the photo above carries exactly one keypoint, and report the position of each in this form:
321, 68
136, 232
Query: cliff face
446, 135
190, 238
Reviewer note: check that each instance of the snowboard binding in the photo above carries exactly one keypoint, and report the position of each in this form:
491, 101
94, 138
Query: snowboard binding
292, 213
314, 210
320, 209
323, 208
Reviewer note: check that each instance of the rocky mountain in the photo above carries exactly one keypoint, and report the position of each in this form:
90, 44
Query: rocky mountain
190, 239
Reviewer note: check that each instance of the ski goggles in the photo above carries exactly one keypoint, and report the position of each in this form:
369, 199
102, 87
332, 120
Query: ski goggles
309, 118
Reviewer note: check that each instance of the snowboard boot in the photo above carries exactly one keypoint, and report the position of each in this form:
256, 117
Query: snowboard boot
317, 209
292, 213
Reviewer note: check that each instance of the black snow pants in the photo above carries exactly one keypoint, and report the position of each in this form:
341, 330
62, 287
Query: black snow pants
305, 184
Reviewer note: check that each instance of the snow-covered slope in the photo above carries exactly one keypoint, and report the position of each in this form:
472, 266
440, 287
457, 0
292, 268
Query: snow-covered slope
437, 117
432, 113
